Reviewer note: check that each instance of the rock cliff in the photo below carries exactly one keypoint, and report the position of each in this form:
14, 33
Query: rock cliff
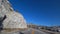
13, 19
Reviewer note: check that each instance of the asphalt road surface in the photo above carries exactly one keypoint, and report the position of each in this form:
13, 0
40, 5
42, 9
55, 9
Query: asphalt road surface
28, 31
34, 31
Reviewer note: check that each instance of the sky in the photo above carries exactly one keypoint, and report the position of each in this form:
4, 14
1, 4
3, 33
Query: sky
39, 12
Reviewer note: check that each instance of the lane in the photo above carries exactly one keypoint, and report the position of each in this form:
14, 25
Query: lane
29, 31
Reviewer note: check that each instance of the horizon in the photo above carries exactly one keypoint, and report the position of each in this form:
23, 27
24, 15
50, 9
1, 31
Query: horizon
39, 12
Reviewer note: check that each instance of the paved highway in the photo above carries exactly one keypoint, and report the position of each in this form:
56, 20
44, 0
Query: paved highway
28, 31
35, 31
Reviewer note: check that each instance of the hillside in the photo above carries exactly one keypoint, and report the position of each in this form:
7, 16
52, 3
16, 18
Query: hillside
12, 22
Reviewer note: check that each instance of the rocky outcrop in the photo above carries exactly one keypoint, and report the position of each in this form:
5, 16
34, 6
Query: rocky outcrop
13, 19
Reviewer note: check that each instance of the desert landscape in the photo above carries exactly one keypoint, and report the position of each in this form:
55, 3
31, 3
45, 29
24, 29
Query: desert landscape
12, 22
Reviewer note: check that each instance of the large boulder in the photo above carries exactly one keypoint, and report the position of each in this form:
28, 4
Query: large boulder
14, 20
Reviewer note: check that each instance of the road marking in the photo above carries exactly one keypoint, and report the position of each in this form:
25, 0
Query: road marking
32, 31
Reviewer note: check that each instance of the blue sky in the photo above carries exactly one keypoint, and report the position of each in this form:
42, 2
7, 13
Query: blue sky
40, 12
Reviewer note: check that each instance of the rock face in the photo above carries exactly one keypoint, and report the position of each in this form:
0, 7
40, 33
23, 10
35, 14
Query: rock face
13, 19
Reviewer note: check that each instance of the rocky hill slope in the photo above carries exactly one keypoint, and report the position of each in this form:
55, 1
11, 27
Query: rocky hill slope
10, 19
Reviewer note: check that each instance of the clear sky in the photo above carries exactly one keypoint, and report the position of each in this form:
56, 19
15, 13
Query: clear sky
40, 12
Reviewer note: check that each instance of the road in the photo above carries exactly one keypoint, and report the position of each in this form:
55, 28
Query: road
35, 31
28, 31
